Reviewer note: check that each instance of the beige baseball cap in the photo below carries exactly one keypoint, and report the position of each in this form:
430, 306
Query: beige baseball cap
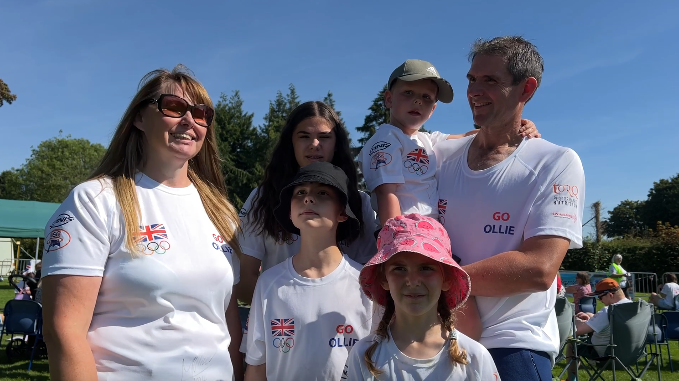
414, 70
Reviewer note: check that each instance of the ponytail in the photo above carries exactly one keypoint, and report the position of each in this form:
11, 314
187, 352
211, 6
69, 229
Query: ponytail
456, 354
380, 334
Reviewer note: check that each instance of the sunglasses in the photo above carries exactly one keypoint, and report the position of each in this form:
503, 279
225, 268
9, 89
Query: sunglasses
176, 107
600, 296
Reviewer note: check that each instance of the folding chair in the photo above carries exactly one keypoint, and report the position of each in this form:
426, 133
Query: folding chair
565, 315
22, 317
658, 332
588, 304
629, 324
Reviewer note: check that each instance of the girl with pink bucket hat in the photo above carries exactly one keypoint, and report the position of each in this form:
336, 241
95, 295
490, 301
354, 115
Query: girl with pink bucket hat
414, 277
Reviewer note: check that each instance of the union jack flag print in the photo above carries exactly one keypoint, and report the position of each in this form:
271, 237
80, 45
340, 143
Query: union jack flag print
419, 156
283, 327
152, 232
443, 205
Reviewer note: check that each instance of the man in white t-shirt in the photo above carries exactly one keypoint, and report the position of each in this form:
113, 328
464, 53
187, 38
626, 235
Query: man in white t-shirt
512, 208
610, 293
665, 299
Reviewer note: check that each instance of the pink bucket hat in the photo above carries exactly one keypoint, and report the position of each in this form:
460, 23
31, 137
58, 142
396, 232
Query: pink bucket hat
418, 234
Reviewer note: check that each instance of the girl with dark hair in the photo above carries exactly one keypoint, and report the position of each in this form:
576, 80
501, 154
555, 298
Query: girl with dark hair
313, 132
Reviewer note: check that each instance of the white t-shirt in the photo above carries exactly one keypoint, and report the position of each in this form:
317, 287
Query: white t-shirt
538, 190
392, 157
602, 330
397, 366
670, 290
159, 316
271, 252
303, 329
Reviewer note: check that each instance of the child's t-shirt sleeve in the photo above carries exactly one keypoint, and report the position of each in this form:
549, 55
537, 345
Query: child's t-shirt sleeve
381, 160
250, 241
256, 335
77, 238
436, 137
353, 369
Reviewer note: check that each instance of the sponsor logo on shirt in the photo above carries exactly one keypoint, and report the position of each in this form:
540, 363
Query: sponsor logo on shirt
566, 195
283, 331
57, 239
341, 341
379, 146
220, 245
565, 215
417, 162
61, 220
153, 239
499, 227
443, 205
380, 159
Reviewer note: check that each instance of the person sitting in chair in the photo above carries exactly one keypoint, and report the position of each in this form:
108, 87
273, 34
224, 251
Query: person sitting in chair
609, 293
665, 298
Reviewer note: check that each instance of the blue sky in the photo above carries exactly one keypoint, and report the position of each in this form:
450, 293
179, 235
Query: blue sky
609, 89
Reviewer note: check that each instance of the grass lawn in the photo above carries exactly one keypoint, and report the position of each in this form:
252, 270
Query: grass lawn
17, 371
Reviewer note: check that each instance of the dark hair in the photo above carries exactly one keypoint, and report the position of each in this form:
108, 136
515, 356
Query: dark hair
522, 57
670, 278
283, 167
584, 276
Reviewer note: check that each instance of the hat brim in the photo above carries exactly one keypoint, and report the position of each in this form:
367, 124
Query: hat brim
282, 211
597, 293
445, 93
456, 296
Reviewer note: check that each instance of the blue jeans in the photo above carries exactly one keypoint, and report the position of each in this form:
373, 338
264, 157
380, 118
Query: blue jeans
522, 364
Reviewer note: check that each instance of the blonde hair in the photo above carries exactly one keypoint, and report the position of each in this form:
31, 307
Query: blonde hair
125, 157
456, 354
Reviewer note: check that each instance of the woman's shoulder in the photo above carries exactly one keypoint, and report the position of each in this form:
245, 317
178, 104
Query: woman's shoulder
94, 189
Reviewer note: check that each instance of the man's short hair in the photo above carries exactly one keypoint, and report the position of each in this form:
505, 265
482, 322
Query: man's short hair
522, 57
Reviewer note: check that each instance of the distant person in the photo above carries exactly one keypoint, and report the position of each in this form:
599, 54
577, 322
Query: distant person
313, 132
665, 298
620, 275
609, 293
513, 208
120, 298
581, 288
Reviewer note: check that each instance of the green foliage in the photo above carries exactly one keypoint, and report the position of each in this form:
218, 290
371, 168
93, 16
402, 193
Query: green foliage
5, 94
663, 202
379, 114
626, 220
54, 168
237, 138
658, 253
274, 121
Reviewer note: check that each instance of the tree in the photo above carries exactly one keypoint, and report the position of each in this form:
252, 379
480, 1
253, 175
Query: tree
662, 204
274, 121
236, 137
625, 219
330, 101
54, 168
379, 114
5, 94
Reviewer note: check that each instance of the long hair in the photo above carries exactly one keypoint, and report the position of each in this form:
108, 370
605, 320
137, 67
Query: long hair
125, 157
456, 354
283, 166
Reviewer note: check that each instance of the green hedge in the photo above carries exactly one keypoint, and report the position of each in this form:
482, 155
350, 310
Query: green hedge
657, 254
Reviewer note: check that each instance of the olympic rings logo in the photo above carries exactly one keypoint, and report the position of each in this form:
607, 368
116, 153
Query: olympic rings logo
284, 344
415, 168
154, 247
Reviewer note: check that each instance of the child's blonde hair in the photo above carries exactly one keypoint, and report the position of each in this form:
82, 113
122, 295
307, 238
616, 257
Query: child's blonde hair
456, 354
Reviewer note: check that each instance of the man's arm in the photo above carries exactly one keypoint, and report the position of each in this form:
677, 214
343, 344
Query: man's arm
388, 205
255, 372
531, 268
582, 328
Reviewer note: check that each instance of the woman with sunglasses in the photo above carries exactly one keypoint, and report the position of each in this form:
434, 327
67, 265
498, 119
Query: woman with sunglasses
312, 132
124, 251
